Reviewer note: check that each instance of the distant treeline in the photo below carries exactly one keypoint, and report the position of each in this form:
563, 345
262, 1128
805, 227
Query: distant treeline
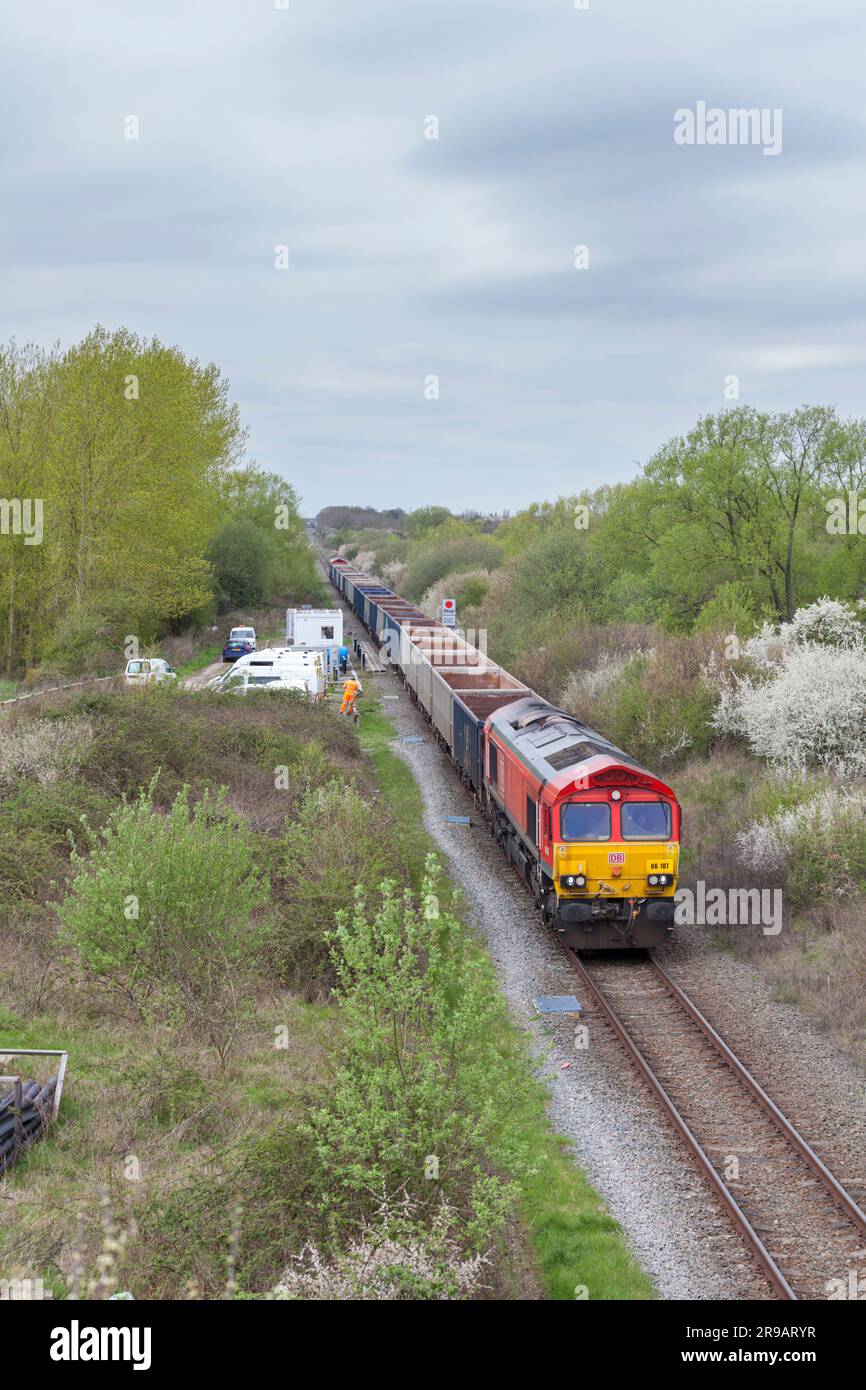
747, 517
361, 518
345, 522
126, 507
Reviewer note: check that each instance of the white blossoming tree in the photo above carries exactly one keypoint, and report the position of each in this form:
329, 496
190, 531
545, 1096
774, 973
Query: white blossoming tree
807, 705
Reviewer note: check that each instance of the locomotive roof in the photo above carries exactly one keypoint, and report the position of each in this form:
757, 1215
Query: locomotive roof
550, 740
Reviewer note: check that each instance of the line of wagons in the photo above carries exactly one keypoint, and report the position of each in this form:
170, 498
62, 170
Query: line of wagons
456, 685
594, 834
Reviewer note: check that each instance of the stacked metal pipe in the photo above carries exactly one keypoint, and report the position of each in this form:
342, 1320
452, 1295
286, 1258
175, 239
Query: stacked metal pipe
25, 1113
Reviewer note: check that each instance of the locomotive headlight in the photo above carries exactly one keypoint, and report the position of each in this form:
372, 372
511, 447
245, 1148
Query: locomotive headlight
615, 796
653, 880
574, 881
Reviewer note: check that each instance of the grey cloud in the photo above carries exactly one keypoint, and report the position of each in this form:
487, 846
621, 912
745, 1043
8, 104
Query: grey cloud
412, 257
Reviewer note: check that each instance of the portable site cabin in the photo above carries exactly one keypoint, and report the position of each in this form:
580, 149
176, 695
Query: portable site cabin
314, 629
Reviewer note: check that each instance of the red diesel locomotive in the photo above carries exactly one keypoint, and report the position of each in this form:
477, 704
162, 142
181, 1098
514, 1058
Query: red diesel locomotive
595, 835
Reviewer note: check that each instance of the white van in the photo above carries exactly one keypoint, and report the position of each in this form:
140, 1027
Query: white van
144, 669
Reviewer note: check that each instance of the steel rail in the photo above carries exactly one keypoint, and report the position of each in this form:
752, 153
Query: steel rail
794, 1138
734, 1210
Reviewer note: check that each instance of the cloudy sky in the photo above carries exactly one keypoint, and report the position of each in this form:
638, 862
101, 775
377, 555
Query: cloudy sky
454, 258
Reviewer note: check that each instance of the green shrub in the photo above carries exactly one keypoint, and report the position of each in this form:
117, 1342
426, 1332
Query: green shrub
389, 550
731, 609
660, 705
337, 840
194, 737
817, 840
161, 908
35, 828
263, 1194
87, 639
429, 1072
545, 596
471, 590
456, 554
661, 725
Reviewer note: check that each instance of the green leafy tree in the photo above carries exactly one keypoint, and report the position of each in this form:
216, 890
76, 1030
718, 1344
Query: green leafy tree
270, 504
26, 404
426, 519
243, 563
134, 452
450, 555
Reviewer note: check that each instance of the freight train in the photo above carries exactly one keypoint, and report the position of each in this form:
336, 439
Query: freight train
594, 835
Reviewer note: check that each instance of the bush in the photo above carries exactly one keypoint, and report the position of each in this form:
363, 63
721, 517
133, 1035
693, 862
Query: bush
43, 750
338, 839
455, 555
468, 591
809, 711
658, 705
826, 623
545, 595
731, 609
87, 639
563, 669
418, 1106
261, 1196
395, 1257
243, 560
201, 736
161, 908
36, 824
820, 844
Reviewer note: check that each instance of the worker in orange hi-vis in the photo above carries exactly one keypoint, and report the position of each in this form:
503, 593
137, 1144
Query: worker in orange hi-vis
350, 694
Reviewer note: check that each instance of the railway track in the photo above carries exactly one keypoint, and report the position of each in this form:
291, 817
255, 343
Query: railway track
800, 1223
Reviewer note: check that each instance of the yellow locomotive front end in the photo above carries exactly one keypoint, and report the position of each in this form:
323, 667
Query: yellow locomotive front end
615, 866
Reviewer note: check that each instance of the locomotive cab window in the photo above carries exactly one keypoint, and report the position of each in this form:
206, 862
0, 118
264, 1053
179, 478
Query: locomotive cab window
645, 820
531, 820
494, 764
585, 820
